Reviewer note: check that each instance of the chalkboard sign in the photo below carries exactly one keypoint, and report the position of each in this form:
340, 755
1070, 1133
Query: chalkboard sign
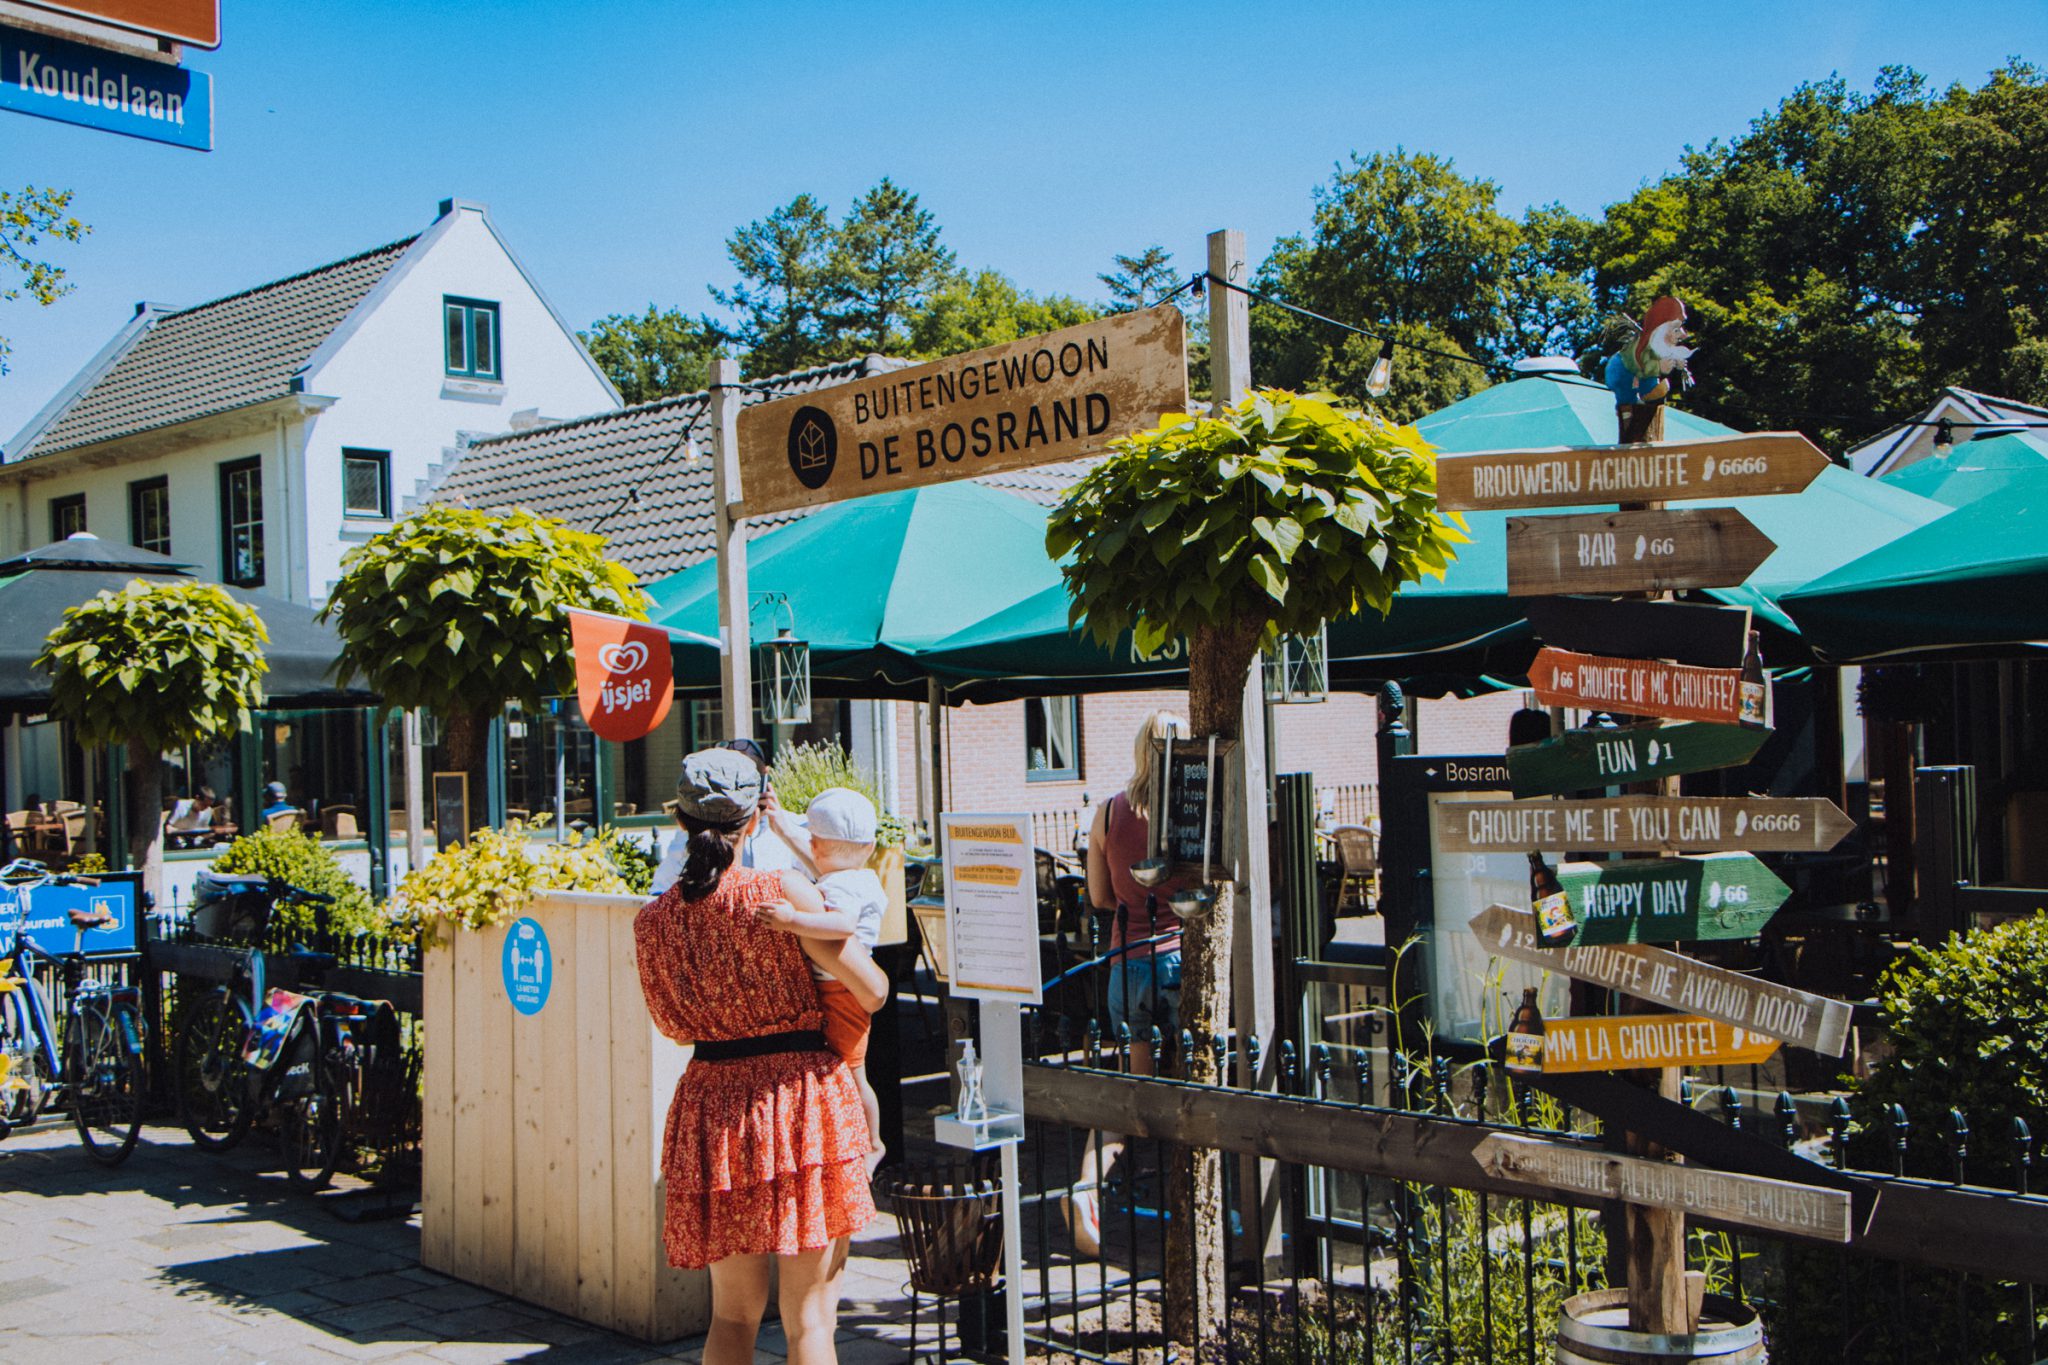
1192, 791
451, 809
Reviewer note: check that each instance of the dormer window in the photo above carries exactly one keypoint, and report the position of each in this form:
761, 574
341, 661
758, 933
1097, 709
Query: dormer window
470, 330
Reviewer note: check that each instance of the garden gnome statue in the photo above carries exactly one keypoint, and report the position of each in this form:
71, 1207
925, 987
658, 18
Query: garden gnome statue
1649, 368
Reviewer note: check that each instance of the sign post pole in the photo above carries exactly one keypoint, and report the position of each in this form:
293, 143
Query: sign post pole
735, 681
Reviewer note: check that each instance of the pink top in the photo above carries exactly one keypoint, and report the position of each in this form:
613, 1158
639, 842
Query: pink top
1126, 835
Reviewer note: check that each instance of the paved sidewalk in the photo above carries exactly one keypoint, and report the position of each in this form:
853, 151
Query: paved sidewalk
183, 1256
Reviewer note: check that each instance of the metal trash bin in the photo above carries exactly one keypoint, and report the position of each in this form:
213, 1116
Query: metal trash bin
950, 1222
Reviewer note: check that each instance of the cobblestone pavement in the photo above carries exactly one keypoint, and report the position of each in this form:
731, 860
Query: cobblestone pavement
184, 1256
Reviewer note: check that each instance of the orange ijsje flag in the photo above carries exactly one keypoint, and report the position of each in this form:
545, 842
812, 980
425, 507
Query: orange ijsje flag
623, 678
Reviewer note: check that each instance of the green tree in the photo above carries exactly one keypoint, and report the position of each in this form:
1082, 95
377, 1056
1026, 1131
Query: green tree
886, 265
1142, 280
781, 297
986, 309
156, 666
1547, 305
27, 216
653, 355
1271, 517
462, 611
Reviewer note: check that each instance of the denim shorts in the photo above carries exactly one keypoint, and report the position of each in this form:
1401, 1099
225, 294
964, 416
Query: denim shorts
1144, 993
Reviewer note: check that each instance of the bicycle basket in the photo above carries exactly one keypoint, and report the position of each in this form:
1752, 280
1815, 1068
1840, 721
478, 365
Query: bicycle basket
228, 906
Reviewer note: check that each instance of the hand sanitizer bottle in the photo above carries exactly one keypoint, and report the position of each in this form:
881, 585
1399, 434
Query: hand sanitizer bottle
972, 1109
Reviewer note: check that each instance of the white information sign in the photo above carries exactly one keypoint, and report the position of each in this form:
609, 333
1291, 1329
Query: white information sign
992, 908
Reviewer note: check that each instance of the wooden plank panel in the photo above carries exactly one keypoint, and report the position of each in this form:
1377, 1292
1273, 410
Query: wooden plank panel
466, 1261
1653, 551
1615, 1042
494, 1110
437, 1131
1710, 897
595, 1244
1646, 824
1580, 759
530, 1102
636, 1221
1705, 634
1027, 402
561, 1115
1739, 466
1645, 687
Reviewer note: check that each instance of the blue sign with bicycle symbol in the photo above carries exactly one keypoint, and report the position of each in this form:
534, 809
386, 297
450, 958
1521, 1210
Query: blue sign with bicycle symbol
529, 966
47, 924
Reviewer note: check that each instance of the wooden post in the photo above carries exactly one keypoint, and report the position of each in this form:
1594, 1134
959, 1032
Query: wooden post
735, 681
416, 815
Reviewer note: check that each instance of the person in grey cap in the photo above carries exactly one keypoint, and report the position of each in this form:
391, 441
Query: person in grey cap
779, 842
765, 1149
274, 802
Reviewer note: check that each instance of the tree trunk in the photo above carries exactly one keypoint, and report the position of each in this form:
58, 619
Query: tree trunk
1196, 1308
466, 737
146, 818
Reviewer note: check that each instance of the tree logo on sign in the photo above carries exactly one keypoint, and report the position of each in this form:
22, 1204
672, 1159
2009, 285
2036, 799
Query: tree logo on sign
813, 447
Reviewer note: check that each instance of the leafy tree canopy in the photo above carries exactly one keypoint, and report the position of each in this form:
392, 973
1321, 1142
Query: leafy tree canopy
653, 355
886, 264
986, 309
27, 216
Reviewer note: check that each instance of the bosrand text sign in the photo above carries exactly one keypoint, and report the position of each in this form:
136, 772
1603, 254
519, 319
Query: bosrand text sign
1033, 401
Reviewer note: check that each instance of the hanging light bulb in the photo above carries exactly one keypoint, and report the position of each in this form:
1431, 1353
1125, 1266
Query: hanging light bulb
1944, 433
1381, 377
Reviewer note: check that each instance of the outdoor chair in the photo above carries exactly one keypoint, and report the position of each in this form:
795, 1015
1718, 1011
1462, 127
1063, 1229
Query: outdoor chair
1358, 864
951, 1227
338, 822
283, 821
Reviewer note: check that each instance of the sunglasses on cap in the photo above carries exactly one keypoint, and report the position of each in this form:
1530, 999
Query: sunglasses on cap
751, 748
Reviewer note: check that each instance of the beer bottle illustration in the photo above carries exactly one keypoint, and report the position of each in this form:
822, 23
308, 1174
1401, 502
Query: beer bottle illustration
1525, 1034
1753, 694
1554, 923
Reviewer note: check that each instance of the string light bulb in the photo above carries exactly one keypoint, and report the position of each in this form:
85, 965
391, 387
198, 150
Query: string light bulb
1944, 433
1381, 377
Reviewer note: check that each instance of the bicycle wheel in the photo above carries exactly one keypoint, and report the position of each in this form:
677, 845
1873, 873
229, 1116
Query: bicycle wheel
105, 1078
313, 1126
213, 1083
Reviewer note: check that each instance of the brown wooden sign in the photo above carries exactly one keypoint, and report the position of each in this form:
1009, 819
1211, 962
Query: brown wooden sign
1625, 1041
1652, 551
1646, 824
1746, 1200
1665, 471
1701, 633
186, 21
1027, 402
1638, 687
1676, 982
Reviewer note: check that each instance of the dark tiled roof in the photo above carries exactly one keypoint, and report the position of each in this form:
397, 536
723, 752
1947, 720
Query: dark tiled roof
216, 356
583, 472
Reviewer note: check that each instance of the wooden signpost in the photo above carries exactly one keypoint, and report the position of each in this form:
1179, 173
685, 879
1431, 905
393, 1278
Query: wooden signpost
1694, 547
1025, 402
1739, 466
1649, 824
1711, 898
1639, 687
1634, 1040
1675, 982
1700, 633
1579, 760
1747, 1200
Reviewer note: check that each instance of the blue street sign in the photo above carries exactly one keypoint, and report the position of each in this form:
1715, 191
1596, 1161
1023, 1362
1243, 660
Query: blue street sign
95, 87
48, 923
528, 965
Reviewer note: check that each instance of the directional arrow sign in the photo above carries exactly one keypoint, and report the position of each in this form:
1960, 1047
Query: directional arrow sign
1581, 759
1647, 824
1639, 687
1676, 982
1667, 471
1748, 1200
1714, 897
1703, 634
1644, 1040
1653, 551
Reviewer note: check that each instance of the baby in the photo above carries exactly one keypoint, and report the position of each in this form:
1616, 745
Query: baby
842, 829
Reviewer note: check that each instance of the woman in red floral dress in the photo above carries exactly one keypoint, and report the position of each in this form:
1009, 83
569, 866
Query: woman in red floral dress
765, 1152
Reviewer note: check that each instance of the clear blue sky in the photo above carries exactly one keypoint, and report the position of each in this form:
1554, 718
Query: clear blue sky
618, 144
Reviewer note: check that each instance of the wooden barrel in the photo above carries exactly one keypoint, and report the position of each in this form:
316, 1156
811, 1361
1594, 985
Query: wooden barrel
1593, 1330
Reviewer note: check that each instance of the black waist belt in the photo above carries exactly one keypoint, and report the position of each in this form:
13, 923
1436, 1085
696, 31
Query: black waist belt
761, 1045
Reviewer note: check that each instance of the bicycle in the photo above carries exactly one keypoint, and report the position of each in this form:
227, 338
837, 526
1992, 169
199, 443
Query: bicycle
287, 1057
98, 1070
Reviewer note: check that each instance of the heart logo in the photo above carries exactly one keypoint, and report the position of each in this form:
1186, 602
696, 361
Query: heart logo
629, 657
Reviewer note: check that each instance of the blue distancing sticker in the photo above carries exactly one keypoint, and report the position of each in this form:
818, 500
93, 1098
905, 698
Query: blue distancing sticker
529, 967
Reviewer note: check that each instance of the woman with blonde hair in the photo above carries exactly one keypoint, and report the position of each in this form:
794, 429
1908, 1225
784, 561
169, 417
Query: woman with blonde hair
1144, 947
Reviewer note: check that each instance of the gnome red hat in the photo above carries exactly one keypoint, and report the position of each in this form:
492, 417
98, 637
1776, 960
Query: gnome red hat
1667, 309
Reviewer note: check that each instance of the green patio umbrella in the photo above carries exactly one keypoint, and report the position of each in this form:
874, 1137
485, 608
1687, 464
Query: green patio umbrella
1964, 473
1974, 582
870, 581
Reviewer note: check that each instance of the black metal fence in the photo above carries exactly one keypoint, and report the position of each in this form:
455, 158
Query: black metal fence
1361, 1230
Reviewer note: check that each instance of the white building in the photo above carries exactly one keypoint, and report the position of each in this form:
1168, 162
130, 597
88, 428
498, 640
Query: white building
261, 435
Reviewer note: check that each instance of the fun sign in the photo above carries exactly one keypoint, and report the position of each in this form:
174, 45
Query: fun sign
623, 677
